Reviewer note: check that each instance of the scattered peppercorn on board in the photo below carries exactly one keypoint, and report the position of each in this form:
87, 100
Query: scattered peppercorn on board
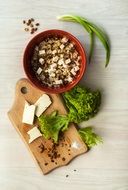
46, 154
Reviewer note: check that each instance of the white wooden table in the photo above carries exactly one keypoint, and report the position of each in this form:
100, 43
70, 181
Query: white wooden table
105, 167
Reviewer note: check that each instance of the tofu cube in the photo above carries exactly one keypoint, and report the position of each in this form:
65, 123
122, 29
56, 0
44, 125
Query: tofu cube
41, 61
73, 71
67, 61
61, 62
54, 52
42, 104
55, 59
62, 46
28, 113
39, 70
76, 68
34, 133
41, 52
64, 40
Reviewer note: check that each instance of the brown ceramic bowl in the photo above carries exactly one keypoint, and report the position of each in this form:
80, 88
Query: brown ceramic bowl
29, 52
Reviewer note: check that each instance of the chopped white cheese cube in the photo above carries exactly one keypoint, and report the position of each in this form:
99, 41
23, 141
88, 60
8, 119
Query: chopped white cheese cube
42, 104
61, 55
76, 68
52, 75
39, 70
79, 58
61, 62
65, 66
55, 59
34, 133
54, 51
59, 82
71, 45
64, 40
41, 61
62, 46
54, 65
69, 79
67, 61
28, 114
41, 52
73, 71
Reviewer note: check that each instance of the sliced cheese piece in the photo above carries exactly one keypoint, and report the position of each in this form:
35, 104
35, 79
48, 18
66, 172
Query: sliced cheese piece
42, 104
28, 114
39, 70
34, 133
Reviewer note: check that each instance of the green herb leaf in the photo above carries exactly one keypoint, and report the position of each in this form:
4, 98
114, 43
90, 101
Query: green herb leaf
82, 103
89, 137
91, 29
51, 125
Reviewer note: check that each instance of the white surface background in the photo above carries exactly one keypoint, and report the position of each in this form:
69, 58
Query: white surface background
104, 167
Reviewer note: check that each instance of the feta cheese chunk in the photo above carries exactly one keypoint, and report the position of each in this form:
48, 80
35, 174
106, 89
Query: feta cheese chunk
61, 62
73, 71
39, 70
41, 61
34, 133
62, 46
76, 68
41, 52
42, 104
55, 59
54, 51
58, 81
28, 114
67, 61
64, 40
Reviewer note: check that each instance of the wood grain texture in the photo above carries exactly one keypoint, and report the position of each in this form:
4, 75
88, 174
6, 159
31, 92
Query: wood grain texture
104, 167
65, 147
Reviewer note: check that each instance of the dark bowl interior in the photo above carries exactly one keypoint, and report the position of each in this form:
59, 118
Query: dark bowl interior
29, 53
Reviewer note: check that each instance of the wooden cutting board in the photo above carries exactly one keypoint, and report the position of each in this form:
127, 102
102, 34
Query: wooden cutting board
47, 155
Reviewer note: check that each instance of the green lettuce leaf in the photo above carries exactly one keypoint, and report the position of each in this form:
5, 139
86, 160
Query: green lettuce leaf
51, 125
82, 103
89, 137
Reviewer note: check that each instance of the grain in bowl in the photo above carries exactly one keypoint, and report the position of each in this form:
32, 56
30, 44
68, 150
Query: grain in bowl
56, 61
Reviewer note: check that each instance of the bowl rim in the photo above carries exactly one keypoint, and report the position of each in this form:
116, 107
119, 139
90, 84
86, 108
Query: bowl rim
59, 89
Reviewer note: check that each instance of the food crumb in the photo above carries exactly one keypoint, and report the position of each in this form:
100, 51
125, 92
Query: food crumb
42, 148
63, 159
26, 29
37, 24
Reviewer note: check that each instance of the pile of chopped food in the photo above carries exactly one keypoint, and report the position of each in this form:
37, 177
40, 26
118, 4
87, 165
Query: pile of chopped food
56, 61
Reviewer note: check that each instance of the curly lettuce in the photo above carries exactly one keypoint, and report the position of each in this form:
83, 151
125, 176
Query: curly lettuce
82, 103
51, 125
89, 137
